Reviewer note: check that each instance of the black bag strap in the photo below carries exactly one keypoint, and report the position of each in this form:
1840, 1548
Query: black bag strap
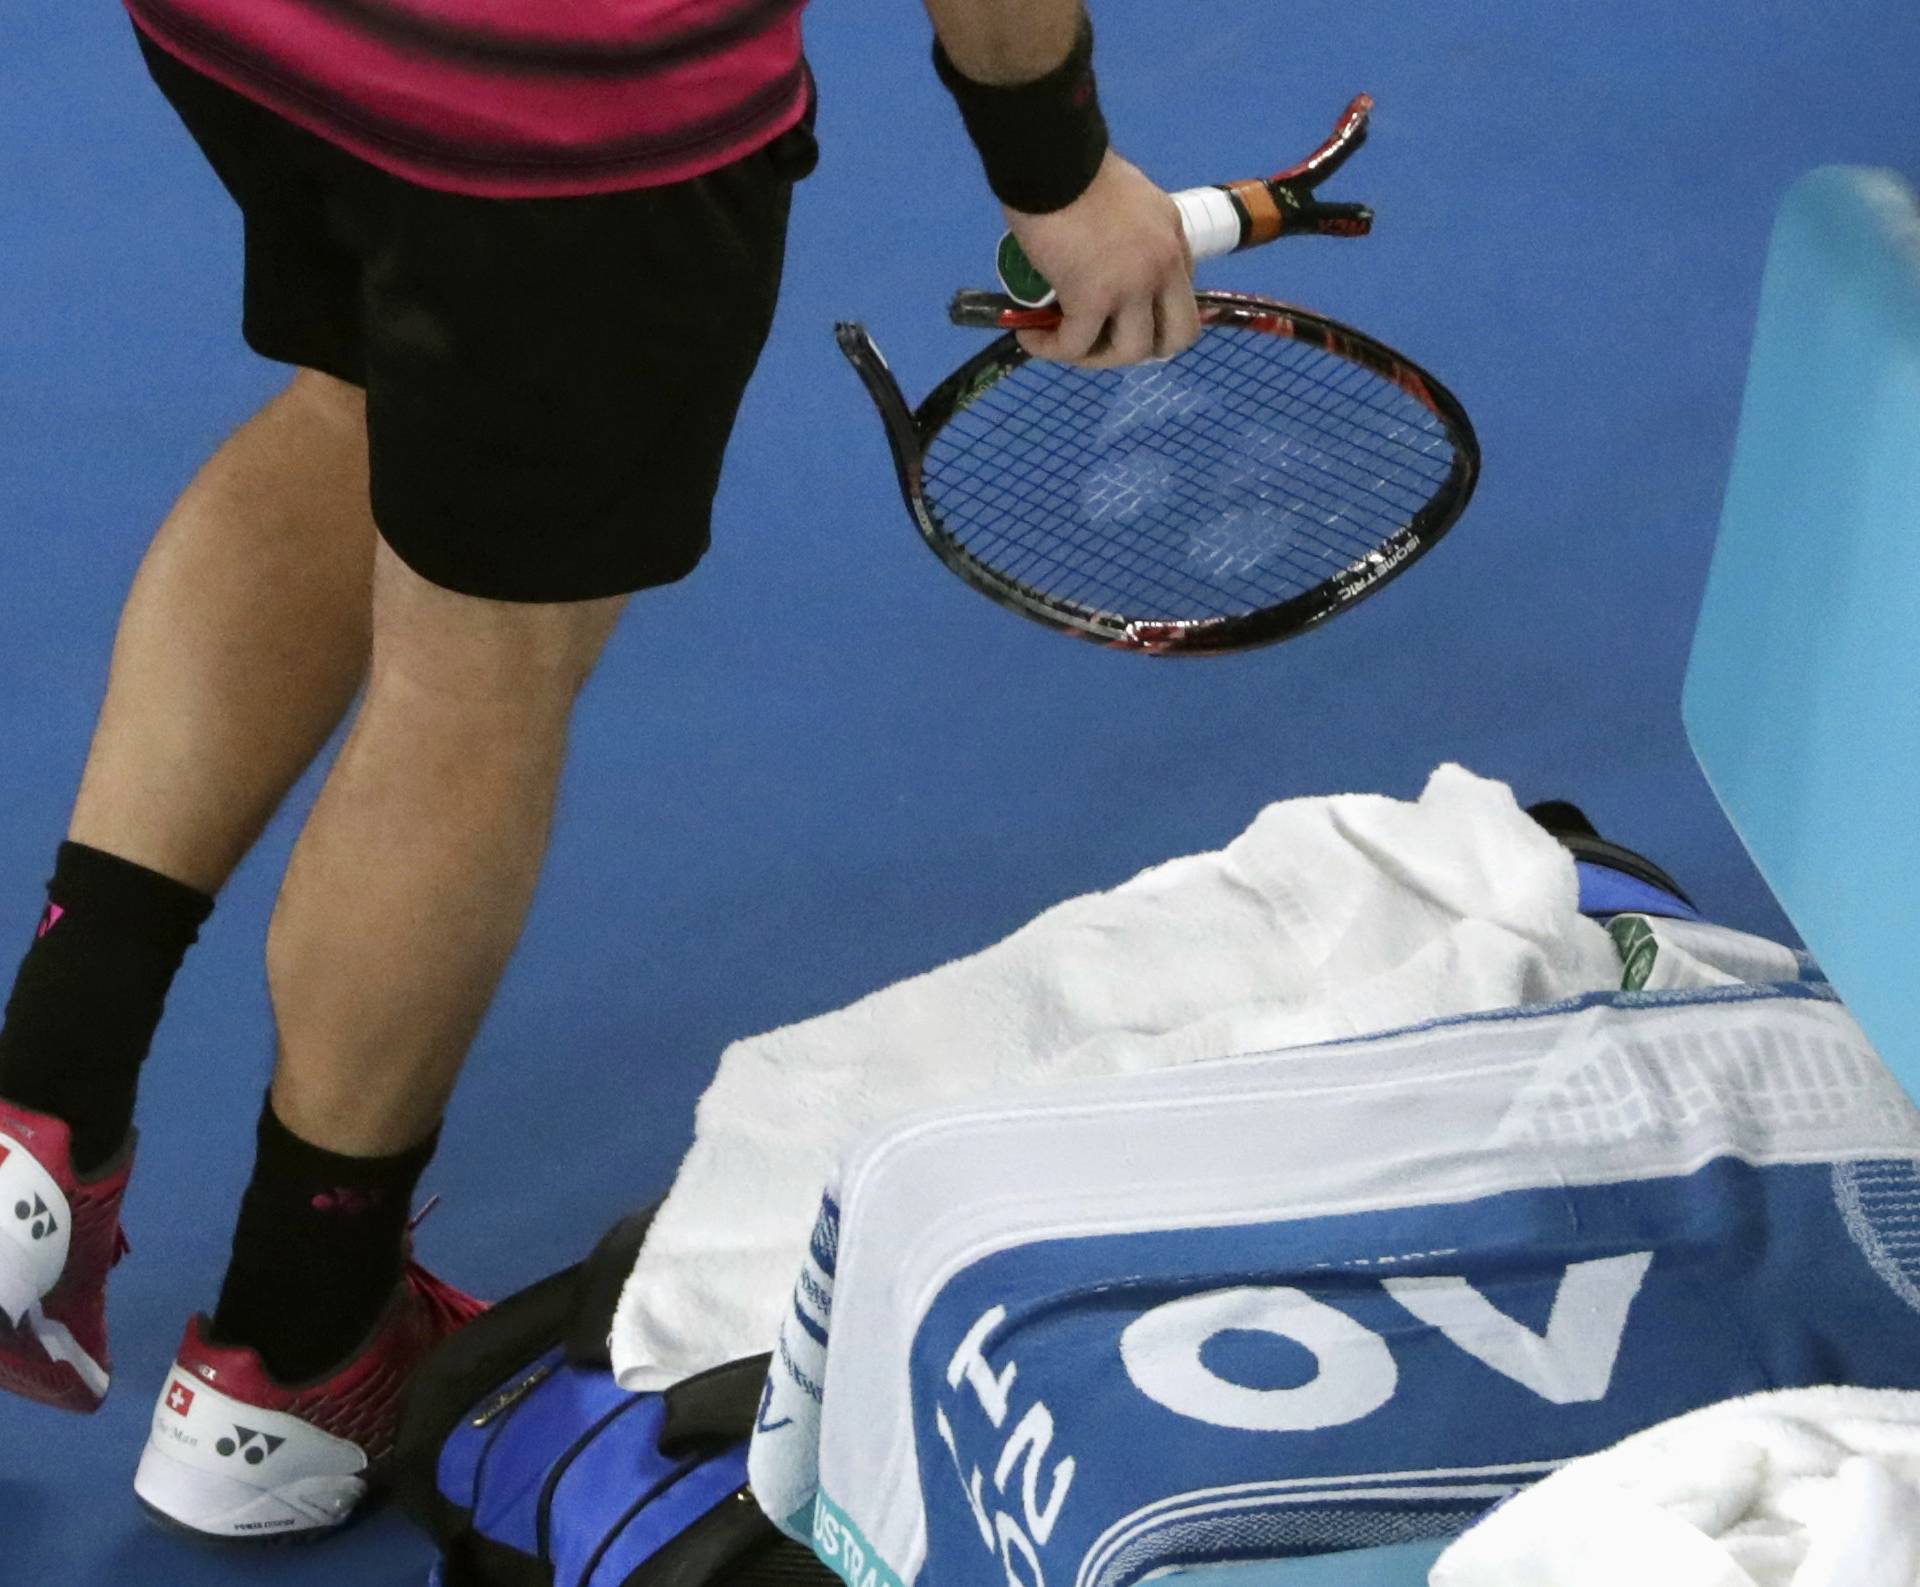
714, 1408
602, 1277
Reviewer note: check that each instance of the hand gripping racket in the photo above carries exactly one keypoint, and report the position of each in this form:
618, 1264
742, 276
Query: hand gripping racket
1272, 475
1236, 215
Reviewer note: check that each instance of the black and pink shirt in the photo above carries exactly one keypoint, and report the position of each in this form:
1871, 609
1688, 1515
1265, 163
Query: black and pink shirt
509, 98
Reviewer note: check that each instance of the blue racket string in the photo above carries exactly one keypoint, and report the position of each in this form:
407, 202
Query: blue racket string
1247, 471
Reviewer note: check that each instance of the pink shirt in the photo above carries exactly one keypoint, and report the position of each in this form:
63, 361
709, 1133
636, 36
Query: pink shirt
509, 98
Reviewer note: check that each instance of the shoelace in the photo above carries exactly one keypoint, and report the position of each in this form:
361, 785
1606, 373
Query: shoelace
420, 1217
449, 1307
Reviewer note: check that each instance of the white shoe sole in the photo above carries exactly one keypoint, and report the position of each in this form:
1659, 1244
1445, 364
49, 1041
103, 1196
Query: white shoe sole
224, 1507
222, 1468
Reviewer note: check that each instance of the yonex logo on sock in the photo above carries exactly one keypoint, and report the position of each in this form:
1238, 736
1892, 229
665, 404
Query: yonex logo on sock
38, 1216
179, 1398
49, 920
346, 1199
253, 1446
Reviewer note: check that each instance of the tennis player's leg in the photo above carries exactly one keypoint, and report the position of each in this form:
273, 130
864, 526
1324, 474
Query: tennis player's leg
242, 644
239, 650
413, 877
542, 444
550, 388
406, 894
407, 891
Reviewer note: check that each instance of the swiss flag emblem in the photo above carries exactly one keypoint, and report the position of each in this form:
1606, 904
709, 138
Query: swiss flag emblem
179, 1398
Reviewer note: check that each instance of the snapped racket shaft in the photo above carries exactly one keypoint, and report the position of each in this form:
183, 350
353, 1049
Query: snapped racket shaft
1269, 477
1232, 216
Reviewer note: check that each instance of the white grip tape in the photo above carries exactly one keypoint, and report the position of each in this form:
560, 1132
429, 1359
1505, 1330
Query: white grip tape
1210, 220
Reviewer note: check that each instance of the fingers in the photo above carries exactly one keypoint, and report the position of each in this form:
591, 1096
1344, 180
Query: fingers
1128, 339
1080, 333
1050, 344
1176, 320
1083, 337
1037, 344
1141, 331
1154, 321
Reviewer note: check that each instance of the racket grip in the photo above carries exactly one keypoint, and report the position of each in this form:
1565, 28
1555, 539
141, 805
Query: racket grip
1213, 224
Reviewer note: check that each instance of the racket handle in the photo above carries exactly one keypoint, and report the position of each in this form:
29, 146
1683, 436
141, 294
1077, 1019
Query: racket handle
1214, 225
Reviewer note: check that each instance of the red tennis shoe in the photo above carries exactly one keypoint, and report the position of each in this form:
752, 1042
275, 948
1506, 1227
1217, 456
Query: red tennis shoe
236, 1454
59, 1237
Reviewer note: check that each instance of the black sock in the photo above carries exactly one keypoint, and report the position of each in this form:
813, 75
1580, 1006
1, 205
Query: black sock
318, 1250
90, 992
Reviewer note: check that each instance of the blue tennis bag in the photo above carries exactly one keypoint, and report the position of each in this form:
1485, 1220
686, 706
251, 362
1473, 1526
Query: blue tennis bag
531, 1467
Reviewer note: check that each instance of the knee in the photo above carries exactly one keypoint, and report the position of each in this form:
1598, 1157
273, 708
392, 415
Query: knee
497, 657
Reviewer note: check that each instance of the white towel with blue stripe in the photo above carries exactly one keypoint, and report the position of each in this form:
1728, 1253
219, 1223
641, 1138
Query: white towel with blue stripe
1328, 917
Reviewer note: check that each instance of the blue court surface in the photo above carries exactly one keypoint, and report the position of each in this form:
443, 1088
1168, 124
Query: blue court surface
821, 764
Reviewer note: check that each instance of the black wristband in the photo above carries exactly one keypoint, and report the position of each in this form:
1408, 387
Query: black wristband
1041, 142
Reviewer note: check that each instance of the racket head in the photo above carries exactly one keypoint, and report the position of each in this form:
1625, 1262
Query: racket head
930, 445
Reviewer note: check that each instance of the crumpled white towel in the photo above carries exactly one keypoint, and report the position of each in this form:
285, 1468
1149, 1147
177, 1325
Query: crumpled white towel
1800, 1488
1328, 917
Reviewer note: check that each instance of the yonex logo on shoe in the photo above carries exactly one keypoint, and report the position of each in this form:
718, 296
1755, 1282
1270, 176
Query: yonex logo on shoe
38, 1216
179, 1398
253, 1446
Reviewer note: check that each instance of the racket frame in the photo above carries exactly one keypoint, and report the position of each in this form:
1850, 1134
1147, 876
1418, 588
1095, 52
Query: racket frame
911, 431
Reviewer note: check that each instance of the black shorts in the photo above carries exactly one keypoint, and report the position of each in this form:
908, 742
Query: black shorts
550, 382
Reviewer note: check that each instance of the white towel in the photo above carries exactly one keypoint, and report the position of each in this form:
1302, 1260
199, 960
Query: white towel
1328, 917
1800, 1488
